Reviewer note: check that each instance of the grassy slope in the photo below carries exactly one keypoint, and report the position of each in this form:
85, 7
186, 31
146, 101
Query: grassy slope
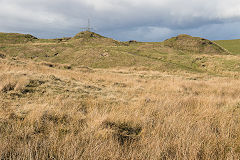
82, 113
15, 38
232, 45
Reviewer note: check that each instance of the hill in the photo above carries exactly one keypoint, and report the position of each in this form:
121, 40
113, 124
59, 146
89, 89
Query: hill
14, 38
87, 35
195, 45
93, 50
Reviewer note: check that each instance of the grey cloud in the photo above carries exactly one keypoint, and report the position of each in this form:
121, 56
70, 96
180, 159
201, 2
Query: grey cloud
121, 19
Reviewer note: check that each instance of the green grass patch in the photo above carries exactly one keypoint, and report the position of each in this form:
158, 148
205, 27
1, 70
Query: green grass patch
231, 45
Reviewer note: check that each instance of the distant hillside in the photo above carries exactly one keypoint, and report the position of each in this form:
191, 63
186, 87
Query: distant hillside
232, 45
194, 44
89, 49
15, 38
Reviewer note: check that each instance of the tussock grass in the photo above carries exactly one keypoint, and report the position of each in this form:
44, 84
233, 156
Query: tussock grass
120, 113
14, 82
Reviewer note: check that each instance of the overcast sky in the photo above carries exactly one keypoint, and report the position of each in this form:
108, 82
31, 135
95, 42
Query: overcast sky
142, 20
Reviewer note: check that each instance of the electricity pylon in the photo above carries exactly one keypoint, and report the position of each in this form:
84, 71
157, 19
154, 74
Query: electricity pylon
88, 28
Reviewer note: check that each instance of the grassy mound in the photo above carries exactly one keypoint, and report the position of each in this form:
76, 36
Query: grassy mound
15, 38
194, 44
94, 38
87, 35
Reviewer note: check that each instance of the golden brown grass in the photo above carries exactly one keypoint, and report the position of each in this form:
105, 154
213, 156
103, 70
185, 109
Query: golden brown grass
12, 81
118, 113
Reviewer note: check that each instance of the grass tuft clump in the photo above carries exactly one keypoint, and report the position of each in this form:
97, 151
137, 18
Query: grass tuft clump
18, 83
10, 82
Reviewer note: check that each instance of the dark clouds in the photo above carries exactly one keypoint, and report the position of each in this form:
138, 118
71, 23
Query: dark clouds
152, 20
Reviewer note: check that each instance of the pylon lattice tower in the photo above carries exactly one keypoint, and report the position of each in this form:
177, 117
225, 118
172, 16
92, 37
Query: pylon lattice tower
88, 28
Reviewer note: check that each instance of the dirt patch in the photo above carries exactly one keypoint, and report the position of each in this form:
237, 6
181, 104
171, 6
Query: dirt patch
105, 54
124, 133
55, 65
2, 55
64, 39
48, 64
119, 84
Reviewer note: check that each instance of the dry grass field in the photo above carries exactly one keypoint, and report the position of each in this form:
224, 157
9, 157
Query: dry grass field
58, 111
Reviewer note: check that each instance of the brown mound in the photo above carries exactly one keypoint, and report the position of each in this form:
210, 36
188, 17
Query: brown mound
194, 44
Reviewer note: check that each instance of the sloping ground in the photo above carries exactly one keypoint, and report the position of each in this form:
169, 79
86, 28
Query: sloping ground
83, 113
195, 45
14, 38
232, 45
84, 49
92, 50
